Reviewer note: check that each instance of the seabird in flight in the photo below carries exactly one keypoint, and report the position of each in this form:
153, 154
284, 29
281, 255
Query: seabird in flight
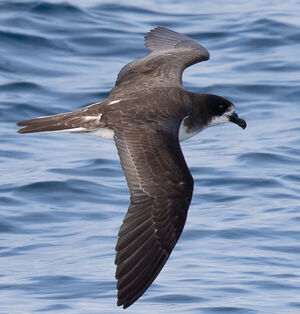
147, 113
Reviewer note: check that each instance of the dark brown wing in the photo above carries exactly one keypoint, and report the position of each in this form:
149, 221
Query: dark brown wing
161, 188
170, 53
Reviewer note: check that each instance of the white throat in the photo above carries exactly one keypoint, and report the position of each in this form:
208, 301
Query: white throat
221, 119
184, 133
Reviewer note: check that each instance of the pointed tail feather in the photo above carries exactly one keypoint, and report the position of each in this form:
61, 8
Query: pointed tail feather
59, 122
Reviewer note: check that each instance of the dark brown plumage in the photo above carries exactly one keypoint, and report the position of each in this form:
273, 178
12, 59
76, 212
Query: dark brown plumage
147, 113
161, 189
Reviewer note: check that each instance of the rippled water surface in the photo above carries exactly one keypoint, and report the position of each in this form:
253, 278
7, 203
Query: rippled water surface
63, 196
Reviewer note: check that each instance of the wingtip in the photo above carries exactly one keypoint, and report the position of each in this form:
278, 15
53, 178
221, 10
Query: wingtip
151, 30
207, 57
148, 33
124, 304
162, 38
155, 30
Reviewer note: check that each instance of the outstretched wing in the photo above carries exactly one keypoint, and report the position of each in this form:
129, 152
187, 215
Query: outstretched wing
170, 53
161, 188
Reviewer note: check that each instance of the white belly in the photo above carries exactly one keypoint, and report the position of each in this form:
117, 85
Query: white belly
105, 133
183, 134
108, 134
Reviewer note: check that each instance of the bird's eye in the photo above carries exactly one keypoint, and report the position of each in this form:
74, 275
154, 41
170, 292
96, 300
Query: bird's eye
221, 107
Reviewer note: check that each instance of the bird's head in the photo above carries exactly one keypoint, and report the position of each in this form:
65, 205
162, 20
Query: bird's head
220, 110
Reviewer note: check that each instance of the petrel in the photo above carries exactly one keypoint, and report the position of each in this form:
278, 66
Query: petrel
147, 113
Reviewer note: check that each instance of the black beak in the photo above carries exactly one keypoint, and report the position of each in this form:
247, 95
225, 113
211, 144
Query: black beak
235, 119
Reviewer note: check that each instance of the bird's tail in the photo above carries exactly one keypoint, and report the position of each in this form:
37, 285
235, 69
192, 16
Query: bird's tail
60, 122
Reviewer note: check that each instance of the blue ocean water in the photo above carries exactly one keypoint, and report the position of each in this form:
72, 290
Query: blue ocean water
63, 196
